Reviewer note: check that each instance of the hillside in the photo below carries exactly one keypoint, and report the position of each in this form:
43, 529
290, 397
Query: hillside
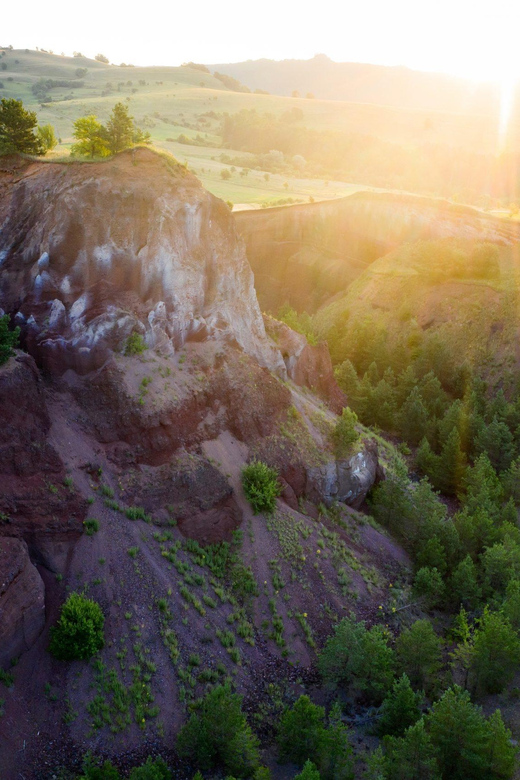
362, 142
355, 82
308, 255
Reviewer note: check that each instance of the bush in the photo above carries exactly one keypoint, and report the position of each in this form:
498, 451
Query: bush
345, 433
93, 770
134, 344
91, 526
261, 486
78, 634
8, 339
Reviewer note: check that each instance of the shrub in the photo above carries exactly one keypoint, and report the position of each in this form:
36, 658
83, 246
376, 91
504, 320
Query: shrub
261, 486
8, 339
137, 513
93, 770
91, 526
78, 634
345, 433
134, 344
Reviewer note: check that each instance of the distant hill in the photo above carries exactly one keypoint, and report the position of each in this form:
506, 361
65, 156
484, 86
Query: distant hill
351, 81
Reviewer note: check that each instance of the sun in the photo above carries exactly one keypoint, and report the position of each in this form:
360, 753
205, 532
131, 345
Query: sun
508, 87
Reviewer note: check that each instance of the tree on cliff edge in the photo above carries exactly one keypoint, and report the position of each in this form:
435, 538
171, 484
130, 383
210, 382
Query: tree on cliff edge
120, 129
17, 126
91, 138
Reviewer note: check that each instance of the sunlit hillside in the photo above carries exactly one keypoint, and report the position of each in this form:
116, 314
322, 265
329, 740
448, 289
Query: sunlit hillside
344, 145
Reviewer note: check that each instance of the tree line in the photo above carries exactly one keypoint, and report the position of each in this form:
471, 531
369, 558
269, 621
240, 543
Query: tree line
21, 134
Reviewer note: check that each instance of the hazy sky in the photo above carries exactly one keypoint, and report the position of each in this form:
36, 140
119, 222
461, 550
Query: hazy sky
464, 37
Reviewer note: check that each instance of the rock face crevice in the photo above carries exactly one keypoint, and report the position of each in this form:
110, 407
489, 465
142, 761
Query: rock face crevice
35, 504
22, 600
92, 253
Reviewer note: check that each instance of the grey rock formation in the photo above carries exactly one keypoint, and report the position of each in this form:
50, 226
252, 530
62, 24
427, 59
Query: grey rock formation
134, 244
347, 481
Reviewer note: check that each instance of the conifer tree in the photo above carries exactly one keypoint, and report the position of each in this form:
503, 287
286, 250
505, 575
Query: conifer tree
17, 129
452, 466
414, 418
120, 129
400, 709
418, 650
412, 756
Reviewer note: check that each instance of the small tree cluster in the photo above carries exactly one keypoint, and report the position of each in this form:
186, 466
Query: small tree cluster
93, 139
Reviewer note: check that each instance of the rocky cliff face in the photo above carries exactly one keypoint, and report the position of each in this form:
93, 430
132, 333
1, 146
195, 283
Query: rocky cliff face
22, 606
306, 254
35, 504
90, 254
151, 442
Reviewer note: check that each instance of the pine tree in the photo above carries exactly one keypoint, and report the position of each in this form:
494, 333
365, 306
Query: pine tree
17, 129
418, 650
452, 465
429, 586
511, 605
120, 129
400, 709
334, 758
301, 730
8, 339
496, 440
496, 653
427, 461
464, 588
483, 487
501, 753
347, 379
359, 658
459, 732
309, 772
414, 418
412, 756
217, 734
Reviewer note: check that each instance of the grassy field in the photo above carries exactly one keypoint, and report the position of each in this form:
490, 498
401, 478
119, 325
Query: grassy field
169, 102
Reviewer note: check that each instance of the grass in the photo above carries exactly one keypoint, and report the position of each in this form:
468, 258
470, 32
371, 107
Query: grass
137, 513
116, 704
91, 526
7, 678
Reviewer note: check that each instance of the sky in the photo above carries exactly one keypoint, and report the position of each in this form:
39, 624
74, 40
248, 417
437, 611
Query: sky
473, 39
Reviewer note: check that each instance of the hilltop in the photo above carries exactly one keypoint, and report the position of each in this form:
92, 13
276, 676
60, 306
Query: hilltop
357, 82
